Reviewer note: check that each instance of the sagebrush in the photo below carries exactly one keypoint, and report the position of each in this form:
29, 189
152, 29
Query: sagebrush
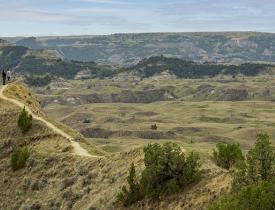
24, 121
227, 155
19, 157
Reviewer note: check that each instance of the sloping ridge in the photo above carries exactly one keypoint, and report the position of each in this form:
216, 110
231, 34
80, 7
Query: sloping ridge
78, 150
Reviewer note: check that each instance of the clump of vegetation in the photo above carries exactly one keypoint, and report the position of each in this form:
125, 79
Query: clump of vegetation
24, 121
133, 194
167, 171
154, 127
19, 157
38, 80
86, 121
259, 165
15, 56
227, 155
255, 196
254, 182
189, 69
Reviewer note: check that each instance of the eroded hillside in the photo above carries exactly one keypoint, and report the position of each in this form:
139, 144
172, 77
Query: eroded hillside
128, 49
24, 61
56, 178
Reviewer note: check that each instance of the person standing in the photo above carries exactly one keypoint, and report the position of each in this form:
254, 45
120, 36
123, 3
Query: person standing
9, 75
4, 75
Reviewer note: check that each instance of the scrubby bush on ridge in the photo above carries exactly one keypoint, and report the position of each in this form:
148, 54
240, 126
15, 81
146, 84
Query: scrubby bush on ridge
133, 193
167, 171
227, 155
256, 196
253, 186
24, 121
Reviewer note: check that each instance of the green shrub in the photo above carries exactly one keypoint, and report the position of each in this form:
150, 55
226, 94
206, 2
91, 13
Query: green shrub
87, 121
167, 171
18, 158
154, 127
227, 155
261, 160
257, 196
259, 165
24, 121
133, 194
254, 182
38, 80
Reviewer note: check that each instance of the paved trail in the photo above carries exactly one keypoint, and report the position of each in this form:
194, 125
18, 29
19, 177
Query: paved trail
78, 150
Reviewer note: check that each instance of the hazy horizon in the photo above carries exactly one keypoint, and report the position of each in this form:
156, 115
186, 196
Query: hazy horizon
157, 32
103, 17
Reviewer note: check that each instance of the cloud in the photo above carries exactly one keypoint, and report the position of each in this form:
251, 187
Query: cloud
23, 15
116, 2
109, 16
216, 15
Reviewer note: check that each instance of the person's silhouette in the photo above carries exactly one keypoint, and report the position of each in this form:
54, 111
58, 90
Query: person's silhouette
4, 75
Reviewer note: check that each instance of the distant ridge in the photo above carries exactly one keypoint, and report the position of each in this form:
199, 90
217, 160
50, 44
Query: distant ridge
4, 42
128, 49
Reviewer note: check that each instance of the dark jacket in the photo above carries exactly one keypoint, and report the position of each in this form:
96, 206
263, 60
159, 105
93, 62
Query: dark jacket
4, 74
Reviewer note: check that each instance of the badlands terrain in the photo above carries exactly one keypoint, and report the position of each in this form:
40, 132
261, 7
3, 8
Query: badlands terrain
58, 176
118, 115
91, 120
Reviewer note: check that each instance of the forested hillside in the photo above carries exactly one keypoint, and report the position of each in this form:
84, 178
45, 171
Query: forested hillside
40, 62
189, 69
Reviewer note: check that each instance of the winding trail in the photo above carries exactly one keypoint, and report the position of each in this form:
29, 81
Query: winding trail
78, 150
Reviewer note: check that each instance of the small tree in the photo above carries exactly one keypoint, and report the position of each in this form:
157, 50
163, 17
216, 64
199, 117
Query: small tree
227, 155
133, 194
19, 157
261, 160
168, 170
154, 127
254, 182
24, 121
256, 196
240, 176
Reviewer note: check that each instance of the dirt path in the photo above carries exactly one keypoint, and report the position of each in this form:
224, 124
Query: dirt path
78, 150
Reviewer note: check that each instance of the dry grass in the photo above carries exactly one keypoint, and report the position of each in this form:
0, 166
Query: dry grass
55, 179
197, 122
204, 120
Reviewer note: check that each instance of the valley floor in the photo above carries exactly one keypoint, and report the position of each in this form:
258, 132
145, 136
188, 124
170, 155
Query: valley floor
201, 113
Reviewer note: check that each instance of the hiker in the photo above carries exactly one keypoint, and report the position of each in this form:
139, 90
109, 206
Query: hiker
4, 77
9, 75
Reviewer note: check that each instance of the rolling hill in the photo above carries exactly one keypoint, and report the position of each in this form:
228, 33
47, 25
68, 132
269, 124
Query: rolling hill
55, 177
189, 69
39, 62
128, 49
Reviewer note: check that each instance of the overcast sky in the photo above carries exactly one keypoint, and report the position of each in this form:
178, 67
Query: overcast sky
76, 17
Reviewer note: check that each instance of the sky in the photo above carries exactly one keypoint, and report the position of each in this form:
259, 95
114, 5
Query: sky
96, 17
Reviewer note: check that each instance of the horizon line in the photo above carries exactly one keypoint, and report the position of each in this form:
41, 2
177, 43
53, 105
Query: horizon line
123, 33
